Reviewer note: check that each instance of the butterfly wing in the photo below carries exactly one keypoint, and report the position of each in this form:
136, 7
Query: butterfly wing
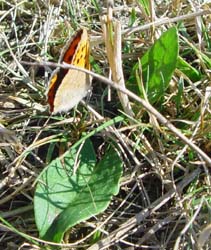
68, 87
67, 97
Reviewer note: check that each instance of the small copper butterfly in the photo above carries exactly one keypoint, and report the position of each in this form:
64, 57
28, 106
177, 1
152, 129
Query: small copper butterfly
67, 87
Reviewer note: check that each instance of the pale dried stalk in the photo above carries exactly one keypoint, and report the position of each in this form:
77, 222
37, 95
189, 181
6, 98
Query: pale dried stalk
113, 45
142, 102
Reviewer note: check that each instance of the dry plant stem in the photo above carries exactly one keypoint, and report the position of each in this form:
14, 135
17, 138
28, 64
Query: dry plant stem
16, 211
198, 22
205, 103
49, 26
120, 137
166, 21
17, 190
180, 218
119, 77
7, 135
89, 235
156, 128
18, 161
158, 226
113, 45
138, 218
20, 67
152, 17
204, 236
11, 10
187, 226
162, 21
146, 105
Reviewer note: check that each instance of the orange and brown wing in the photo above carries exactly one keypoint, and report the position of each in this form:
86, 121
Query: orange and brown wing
72, 53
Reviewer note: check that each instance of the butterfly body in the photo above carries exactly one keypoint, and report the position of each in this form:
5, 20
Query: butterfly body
67, 87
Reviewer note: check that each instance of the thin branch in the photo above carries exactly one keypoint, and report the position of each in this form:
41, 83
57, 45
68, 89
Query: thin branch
145, 104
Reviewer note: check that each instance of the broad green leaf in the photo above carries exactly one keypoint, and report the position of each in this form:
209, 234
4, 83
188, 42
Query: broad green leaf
63, 198
188, 70
158, 65
54, 190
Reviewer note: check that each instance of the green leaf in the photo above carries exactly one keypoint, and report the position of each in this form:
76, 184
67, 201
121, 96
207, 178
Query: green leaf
63, 198
159, 63
54, 191
145, 4
193, 74
133, 18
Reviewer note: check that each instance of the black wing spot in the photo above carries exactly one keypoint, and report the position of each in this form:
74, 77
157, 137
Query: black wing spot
83, 48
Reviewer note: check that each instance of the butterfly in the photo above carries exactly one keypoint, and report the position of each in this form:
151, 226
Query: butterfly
67, 87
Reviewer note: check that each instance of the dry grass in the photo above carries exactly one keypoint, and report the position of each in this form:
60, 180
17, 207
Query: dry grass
164, 200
